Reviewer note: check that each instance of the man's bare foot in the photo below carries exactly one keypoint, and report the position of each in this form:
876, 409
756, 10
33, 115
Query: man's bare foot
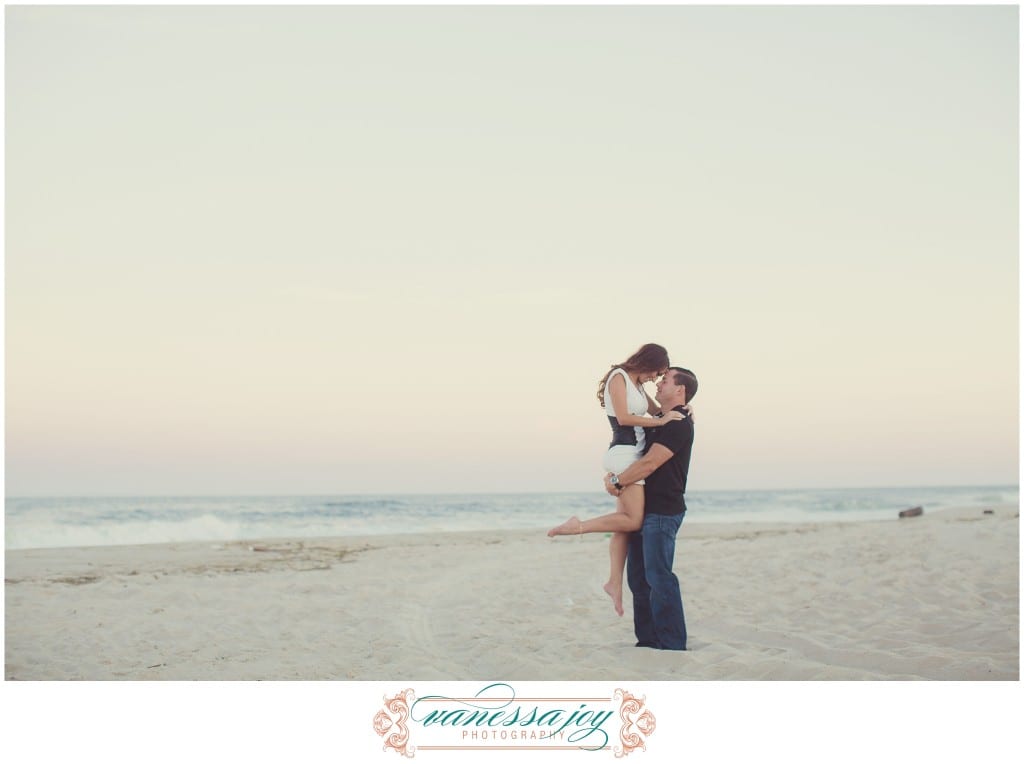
571, 527
615, 592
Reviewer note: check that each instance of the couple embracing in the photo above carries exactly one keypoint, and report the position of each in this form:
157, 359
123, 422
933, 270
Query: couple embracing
646, 464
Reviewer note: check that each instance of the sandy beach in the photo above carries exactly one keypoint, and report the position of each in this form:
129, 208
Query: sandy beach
932, 597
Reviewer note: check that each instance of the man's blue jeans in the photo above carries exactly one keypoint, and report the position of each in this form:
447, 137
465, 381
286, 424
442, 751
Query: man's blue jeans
657, 603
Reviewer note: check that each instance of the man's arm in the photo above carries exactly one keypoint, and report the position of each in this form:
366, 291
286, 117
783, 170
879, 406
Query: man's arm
638, 470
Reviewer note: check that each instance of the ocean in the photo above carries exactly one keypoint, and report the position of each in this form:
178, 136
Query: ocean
104, 521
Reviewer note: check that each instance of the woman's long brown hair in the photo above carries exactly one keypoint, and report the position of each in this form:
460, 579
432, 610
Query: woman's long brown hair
649, 357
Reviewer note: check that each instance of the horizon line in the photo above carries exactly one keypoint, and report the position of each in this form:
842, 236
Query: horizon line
485, 493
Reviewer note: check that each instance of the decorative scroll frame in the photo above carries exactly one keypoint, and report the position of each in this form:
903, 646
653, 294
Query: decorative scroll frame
638, 723
390, 723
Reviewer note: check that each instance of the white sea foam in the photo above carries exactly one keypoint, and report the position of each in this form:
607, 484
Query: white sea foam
96, 521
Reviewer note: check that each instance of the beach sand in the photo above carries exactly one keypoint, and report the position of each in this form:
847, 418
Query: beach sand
932, 597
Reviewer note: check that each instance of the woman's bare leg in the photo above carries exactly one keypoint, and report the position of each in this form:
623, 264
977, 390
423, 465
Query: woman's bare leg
618, 547
628, 517
630, 503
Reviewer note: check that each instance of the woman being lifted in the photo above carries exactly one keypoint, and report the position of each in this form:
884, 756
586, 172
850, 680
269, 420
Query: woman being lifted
625, 403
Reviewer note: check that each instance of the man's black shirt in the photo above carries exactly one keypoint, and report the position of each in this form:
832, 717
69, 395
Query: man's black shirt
665, 487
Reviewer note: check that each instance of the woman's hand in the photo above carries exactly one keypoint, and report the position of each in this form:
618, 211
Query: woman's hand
668, 416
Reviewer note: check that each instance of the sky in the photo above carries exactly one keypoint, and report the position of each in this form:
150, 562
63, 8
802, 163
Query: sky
259, 250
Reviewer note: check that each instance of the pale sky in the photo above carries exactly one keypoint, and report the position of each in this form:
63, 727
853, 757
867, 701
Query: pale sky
387, 250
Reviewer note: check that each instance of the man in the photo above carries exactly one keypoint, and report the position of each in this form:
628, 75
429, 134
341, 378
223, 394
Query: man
657, 603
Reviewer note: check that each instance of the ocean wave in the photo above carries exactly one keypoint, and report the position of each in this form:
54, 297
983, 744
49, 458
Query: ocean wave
63, 522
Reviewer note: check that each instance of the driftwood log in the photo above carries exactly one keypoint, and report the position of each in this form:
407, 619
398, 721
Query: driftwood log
912, 512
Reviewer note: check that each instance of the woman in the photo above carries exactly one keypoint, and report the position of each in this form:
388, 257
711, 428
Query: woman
625, 402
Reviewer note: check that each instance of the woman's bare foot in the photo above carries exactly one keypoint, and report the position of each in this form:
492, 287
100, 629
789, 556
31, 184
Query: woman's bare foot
571, 527
615, 592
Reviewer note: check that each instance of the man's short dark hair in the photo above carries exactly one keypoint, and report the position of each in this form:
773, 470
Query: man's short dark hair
686, 378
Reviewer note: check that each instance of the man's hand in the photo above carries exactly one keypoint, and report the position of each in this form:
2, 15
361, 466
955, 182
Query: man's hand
614, 491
